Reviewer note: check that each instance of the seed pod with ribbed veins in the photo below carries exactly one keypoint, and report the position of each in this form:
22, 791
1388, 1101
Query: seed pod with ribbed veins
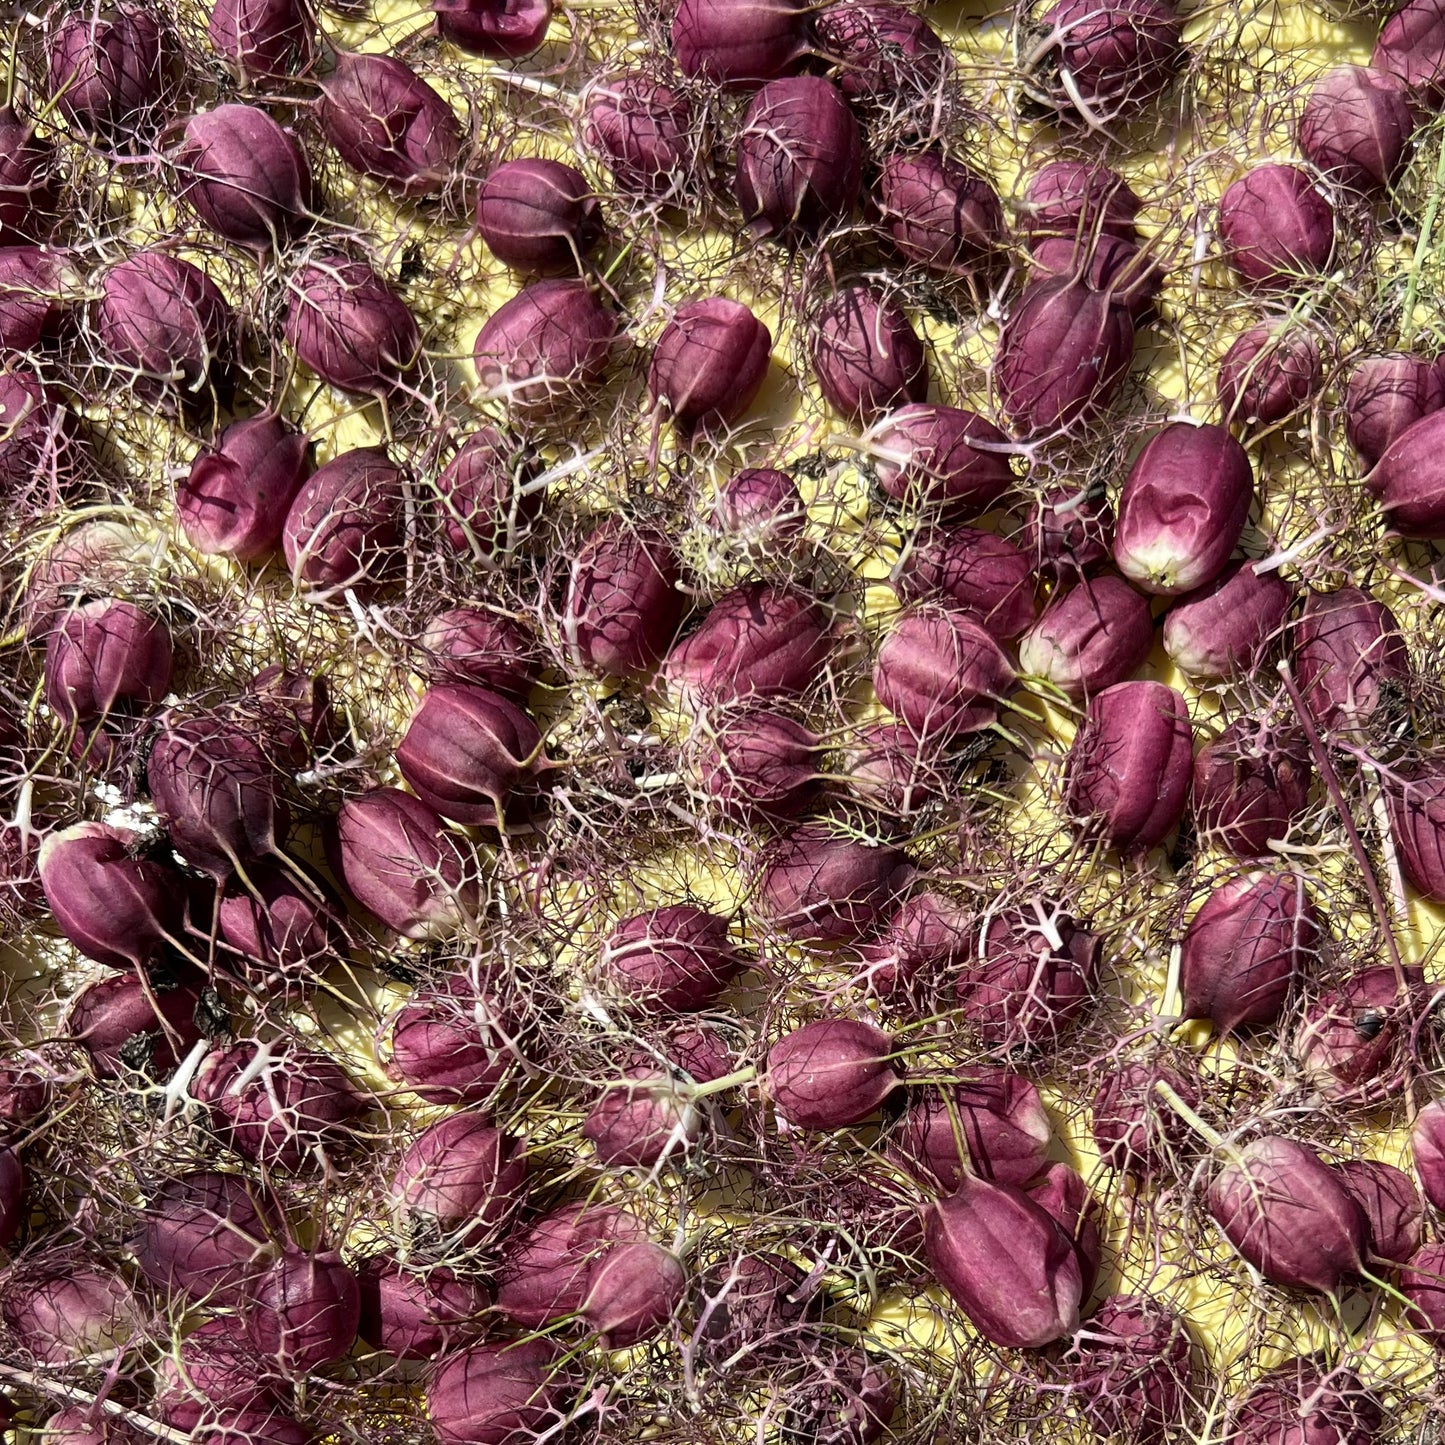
1268, 374
761, 509
942, 457
1427, 1146
866, 357
496, 1394
1109, 58
1387, 394
283, 928
453, 1043
108, 66
1123, 271
264, 39
643, 132
641, 1119
89, 560
991, 1122
1250, 784
1422, 1282
700, 1051
1411, 45
1409, 479
303, 1311
25, 1095
1275, 227
1354, 1042
1224, 629
1067, 531
67, 1315
623, 603
291, 712
12, 1195
343, 531
1134, 1129
129, 1026
939, 213
756, 765
350, 327
36, 288
543, 1274
418, 1316
214, 1368
878, 51
892, 769
632, 1291
927, 935
675, 959
1417, 816
830, 1073
740, 43
1349, 658
538, 215
484, 499
460, 1180
1391, 1206
979, 572
709, 365
470, 645
1090, 637
28, 193
1301, 1403
103, 655
496, 29
1069, 200
41, 452
1355, 126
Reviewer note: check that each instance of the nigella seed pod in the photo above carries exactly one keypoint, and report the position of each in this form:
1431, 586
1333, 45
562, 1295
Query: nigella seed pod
866, 357
417, 1316
632, 1292
350, 327
108, 66
27, 190
36, 288
701, 1052
1269, 373
1422, 1282
1090, 637
543, 1276
129, 1026
881, 52
453, 1043
1250, 784
1253, 937
25, 1095
397, 858
1275, 227
756, 765
830, 1073
12, 1195
1416, 802
1007, 1263
990, 1123
750, 1299
740, 43
977, 571
673, 959
1120, 269
263, 39
291, 712
1129, 768
709, 365
1225, 628
1412, 46
1410, 482
386, 122
1391, 1205
281, 923
1063, 354
41, 454
1349, 658
235, 499
892, 770
72, 1314
927, 935
303, 1311
1387, 394
1182, 508
496, 1394
939, 213
343, 530
1289, 1215
1067, 531
1354, 1042
943, 457
1070, 200
800, 158
1427, 1147
538, 215
484, 494
642, 1119
1355, 126
1109, 58
103, 655
623, 600
1299, 1403
459, 1181
496, 29
89, 560
542, 351
213, 1368
643, 132
761, 509
1134, 1129
471, 646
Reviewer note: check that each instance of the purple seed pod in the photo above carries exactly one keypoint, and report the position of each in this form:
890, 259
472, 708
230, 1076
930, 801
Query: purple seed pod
35, 291
1391, 1206
642, 1119
1275, 227
116, 907
1130, 1369
943, 456
496, 1394
386, 122
213, 1368
1268, 374
282, 924
543, 1274
1355, 126
643, 132
830, 1073
892, 770
270, 1426
1411, 46
990, 1123
1243, 950
1224, 629
756, 765
1109, 58
348, 325
217, 794
205, 1237
939, 213
25, 1095
673, 959
1091, 637
1067, 531
538, 215
740, 43
879, 51
755, 642
1130, 764
28, 191
471, 754
291, 714
496, 29
453, 1043
70, 1314
1349, 657
1298, 1403
165, 326
762, 509
1068, 200
104, 654
822, 883
484, 496
1427, 1146
941, 674
1063, 354
1422, 1282
88, 560
461, 1180
108, 65
234, 501
1062, 1193
927, 935
418, 1316
1387, 394
1250, 784
1353, 1043
865, 356
39, 446
343, 532
1409, 482
1289, 1215
303, 1311
1031, 976
77, 1425
623, 600
750, 1300
1125, 272
543, 350
709, 365
1006, 1262
13, 1212
397, 858
468, 645
976, 571
126, 1024
1417, 817
800, 156
264, 39
1182, 508
1135, 1131
701, 1052
632, 1292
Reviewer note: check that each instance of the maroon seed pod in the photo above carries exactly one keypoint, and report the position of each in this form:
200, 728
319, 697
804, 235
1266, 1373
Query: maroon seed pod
453, 1043
1090, 637
386, 122
939, 213
13, 1212
1182, 508
1297, 1403
269, 1426
927, 935
418, 1316
865, 356
545, 348
76, 1425
214, 1368
264, 39
543, 1274
25, 1095
1417, 817
1110, 58
1355, 126
281, 923
303, 1311
42, 453
343, 532
292, 714
675, 959
1126, 273
117, 908
942, 456
1069, 200
468, 645
460, 1179
1275, 227
1349, 657
643, 132
496, 1394
623, 600
538, 215
165, 326
822, 883
205, 1237
1422, 1282
750, 1300
105, 654
880, 52
235, 499
1130, 764
941, 674
756, 765
1410, 482
830, 1073
645, 1118
990, 1123
762, 509
89, 560
1353, 1042
1224, 629
397, 858
496, 29
1289, 1215
1427, 1146
35, 291
892, 770
1387, 394
350, 327
471, 754
1068, 531
1063, 354
483, 494
1268, 374
1244, 949
126, 1025
800, 157
709, 365
701, 1052
28, 192
740, 43
1006, 1262
107, 66
72, 1314
1391, 1206
1134, 1130
1250, 784
632, 1292
1412, 46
